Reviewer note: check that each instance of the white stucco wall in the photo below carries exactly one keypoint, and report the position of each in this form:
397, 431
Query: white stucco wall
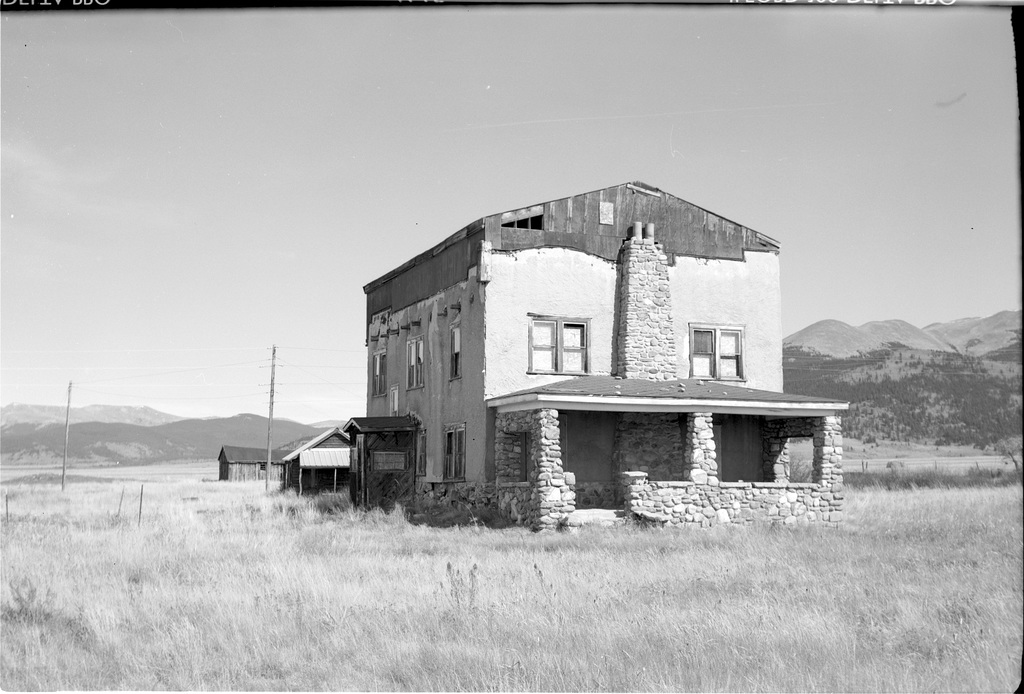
549, 281
732, 292
569, 283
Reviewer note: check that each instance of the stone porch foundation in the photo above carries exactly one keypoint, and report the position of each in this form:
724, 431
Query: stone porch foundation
693, 495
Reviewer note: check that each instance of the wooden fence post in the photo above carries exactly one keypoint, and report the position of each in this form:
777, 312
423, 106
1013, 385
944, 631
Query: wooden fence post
120, 502
142, 488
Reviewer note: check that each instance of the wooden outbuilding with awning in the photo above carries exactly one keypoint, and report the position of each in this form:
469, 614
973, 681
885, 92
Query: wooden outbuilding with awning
322, 464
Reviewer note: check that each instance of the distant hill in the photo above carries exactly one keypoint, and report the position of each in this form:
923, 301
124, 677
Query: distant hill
29, 442
979, 335
973, 336
18, 413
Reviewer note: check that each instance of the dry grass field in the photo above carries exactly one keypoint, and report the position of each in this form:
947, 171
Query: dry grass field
222, 587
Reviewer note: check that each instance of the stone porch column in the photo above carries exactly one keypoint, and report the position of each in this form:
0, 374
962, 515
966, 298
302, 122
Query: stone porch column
828, 451
553, 499
699, 449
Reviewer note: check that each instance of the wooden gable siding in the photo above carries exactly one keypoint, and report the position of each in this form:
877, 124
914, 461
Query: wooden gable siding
681, 227
574, 222
335, 441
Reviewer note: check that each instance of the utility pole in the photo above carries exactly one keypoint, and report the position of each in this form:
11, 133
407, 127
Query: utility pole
270, 420
67, 429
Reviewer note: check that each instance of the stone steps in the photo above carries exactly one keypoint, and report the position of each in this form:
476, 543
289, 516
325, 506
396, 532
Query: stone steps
596, 516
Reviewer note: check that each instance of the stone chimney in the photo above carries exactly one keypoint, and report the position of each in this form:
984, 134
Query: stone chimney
645, 343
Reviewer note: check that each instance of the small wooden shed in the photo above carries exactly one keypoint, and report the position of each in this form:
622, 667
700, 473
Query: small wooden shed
383, 470
241, 463
319, 465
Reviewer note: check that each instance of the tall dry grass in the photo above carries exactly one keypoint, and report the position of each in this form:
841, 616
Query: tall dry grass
225, 588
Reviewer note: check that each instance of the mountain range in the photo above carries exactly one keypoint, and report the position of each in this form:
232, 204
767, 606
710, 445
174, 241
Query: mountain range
23, 440
969, 336
947, 383
958, 381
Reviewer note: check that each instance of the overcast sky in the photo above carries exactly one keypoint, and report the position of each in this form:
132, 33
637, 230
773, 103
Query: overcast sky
181, 190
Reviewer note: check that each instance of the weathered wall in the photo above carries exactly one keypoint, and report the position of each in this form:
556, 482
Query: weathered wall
248, 472
441, 401
547, 281
731, 292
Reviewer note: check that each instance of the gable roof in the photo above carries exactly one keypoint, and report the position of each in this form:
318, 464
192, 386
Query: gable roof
244, 454
316, 441
571, 222
611, 393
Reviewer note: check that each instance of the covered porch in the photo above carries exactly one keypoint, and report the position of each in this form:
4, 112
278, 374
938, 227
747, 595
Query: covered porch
676, 452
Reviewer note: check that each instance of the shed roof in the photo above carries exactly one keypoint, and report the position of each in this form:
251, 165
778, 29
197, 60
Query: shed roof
316, 441
681, 395
326, 457
363, 425
244, 454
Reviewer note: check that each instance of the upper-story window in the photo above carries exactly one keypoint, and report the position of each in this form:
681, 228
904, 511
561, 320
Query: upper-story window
559, 345
455, 342
380, 373
716, 352
414, 362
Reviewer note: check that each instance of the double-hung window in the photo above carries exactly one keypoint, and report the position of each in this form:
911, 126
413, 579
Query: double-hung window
716, 352
455, 452
455, 342
559, 345
414, 362
380, 373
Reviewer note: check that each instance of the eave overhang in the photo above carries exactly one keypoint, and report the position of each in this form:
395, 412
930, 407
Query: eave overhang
611, 394
533, 401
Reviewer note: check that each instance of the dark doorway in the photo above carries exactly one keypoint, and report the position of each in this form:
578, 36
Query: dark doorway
738, 444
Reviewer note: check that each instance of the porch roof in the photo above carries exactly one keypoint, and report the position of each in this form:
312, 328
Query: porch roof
610, 393
366, 425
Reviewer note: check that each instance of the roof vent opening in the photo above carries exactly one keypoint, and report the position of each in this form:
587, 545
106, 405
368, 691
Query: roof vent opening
535, 222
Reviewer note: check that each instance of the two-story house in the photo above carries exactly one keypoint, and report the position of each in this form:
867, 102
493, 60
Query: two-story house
618, 348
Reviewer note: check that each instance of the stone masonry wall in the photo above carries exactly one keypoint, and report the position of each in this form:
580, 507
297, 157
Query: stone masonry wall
514, 498
650, 442
701, 454
704, 500
553, 497
466, 494
696, 505
645, 344
547, 499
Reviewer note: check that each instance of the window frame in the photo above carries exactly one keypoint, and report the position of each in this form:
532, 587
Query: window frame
717, 357
415, 360
558, 349
379, 373
455, 356
421, 453
455, 452
393, 401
